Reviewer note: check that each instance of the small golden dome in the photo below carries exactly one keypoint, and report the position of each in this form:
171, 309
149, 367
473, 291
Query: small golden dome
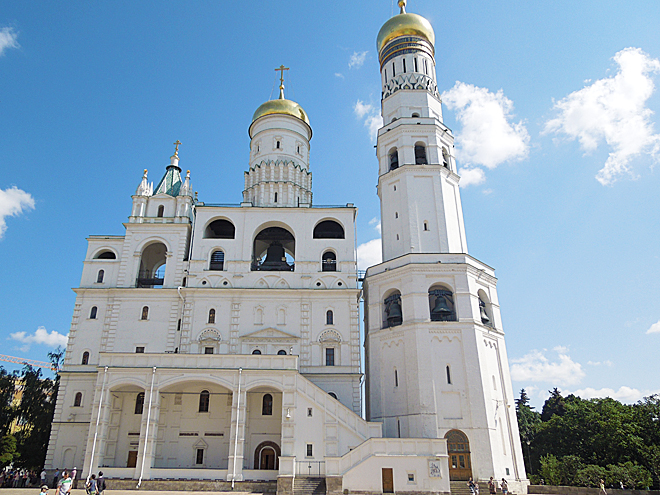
281, 106
402, 25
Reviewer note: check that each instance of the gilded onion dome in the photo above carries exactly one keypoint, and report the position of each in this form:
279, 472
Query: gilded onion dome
281, 106
405, 24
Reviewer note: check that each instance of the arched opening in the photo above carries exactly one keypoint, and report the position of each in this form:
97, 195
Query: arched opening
281, 352
220, 229
93, 312
204, 399
458, 448
139, 403
329, 317
333, 395
211, 316
329, 262
445, 158
485, 309
328, 229
145, 313
420, 154
152, 266
85, 358
106, 255
161, 211
77, 401
266, 456
267, 405
274, 250
217, 260
394, 159
441, 304
99, 276
256, 352
393, 314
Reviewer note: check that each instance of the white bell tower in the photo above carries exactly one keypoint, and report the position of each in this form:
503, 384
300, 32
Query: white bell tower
436, 360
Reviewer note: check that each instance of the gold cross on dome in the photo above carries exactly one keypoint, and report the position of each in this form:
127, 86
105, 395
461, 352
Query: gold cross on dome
281, 68
176, 149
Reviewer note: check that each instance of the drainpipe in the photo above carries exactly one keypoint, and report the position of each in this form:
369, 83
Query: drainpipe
146, 432
238, 412
98, 420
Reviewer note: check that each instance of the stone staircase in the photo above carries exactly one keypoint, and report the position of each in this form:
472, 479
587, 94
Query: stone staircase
460, 488
305, 485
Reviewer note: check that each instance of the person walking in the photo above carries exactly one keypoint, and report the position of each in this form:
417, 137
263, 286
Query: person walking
74, 481
505, 487
92, 486
43, 477
492, 486
64, 485
602, 488
56, 477
101, 483
470, 485
476, 488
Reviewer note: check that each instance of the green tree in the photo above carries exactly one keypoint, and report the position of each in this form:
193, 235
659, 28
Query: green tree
7, 388
528, 422
7, 451
554, 405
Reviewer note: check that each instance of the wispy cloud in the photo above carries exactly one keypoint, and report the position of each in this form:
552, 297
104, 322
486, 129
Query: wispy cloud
471, 176
372, 120
368, 254
8, 39
613, 110
488, 136
623, 394
536, 367
375, 222
13, 202
357, 60
339, 75
41, 336
655, 328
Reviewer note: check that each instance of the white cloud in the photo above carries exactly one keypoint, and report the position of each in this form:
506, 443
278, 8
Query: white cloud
471, 176
372, 120
488, 137
368, 254
607, 363
536, 367
13, 202
655, 328
624, 394
41, 337
357, 60
613, 109
8, 39
339, 74
376, 223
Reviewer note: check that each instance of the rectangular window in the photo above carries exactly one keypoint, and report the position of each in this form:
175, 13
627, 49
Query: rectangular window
200, 456
393, 69
415, 59
208, 350
139, 350
330, 356
309, 412
411, 477
404, 65
310, 450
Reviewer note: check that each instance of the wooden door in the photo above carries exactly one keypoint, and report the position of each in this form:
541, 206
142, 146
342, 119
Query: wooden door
132, 458
388, 480
267, 459
458, 447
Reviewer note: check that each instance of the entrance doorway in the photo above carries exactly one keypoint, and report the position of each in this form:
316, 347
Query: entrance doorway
266, 456
458, 448
388, 480
132, 458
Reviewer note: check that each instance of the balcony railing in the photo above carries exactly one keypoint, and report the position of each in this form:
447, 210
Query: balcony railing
148, 279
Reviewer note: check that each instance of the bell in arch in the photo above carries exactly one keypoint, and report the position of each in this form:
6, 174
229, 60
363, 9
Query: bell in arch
394, 315
275, 258
441, 307
485, 319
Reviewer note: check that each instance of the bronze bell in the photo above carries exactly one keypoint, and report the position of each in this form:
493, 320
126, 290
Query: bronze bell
275, 259
441, 307
482, 310
394, 315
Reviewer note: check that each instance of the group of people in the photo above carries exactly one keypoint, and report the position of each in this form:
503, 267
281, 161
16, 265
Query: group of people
68, 481
492, 486
18, 478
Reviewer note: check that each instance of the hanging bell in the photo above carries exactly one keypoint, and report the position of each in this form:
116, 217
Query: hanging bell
394, 315
275, 258
441, 307
482, 310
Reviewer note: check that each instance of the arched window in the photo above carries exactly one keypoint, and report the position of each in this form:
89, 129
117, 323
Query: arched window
329, 317
145, 313
329, 262
420, 154
328, 229
333, 395
393, 313
85, 358
106, 255
267, 405
217, 260
220, 229
139, 403
256, 351
273, 250
152, 266
211, 316
281, 352
441, 304
77, 402
204, 399
394, 159
161, 211
99, 277
93, 312
277, 145
396, 378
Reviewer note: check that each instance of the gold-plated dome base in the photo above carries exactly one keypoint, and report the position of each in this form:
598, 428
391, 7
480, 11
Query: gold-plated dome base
405, 25
281, 106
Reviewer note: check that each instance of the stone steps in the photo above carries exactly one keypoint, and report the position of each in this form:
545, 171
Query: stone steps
460, 488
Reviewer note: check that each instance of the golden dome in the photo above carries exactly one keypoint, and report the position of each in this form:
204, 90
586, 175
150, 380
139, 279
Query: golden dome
281, 106
402, 25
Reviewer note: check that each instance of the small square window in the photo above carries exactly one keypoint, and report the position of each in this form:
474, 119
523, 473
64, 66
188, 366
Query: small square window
507, 471
309, 412
139, 350
208, 350
411, 477
310, 450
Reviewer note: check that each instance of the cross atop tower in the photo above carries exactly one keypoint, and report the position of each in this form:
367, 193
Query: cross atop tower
281, 68
176, 149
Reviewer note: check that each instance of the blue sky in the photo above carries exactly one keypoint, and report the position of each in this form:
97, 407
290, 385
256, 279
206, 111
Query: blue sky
553, 104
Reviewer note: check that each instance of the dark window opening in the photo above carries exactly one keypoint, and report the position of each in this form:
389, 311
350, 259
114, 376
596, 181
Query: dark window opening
106, 255
394, 159
267, 405
404, 65
275, 198
281, 352
330, 356
139, 403
277, 145
99, 277
329, 262
220, 229
77, 402
333, 395
256, 352
217, 260
328, 229
145, 313
310, 450
393, 69
386, 75
211, 316
396, 378
85, 358
420, 155
273, 250
204, 399
393, 313
178, 325
208, 350
415, 59
329, 317
199, 458
93, 312
426, 226
441, 303
161, 211
448, 376
139, 350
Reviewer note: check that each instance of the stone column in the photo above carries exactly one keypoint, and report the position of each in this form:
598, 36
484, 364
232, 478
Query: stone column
235, 465
148, 439
94, 460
